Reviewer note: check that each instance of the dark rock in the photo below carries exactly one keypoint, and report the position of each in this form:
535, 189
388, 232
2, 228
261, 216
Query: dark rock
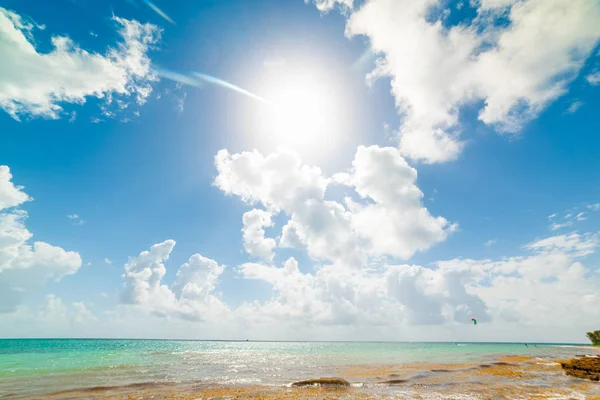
323, 382
395, 381
583, 368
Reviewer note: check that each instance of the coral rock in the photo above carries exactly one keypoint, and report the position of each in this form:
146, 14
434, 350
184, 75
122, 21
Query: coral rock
584, 368
323, 382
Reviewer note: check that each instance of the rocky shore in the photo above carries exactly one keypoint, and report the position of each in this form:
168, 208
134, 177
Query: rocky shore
517, 377
583, 367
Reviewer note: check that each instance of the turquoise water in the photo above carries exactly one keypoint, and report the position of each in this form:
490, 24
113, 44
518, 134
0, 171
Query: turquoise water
38, 366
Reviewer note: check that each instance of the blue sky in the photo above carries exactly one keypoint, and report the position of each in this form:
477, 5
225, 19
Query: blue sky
497, 136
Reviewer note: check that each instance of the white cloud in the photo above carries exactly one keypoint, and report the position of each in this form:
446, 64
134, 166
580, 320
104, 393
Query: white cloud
10, 195
570, 218
496, 4
516, 70
354, 286
490, 242
453, 292
554, 273
394, 220
436, 296
328, 5
76, 219
574, 243
82, 314
389, 221
52, 318
332, 296
192, 295
594, 78
594, 207
576, 105
556, 226
107, 261
255, 242
36, 84
25, 266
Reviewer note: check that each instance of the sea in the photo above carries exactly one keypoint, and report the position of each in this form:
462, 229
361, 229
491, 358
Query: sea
40, 367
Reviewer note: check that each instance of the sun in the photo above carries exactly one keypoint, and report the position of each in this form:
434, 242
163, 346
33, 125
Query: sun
302, 112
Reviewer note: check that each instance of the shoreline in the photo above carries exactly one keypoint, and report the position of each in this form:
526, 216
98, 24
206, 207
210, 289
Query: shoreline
507, 376
155, 370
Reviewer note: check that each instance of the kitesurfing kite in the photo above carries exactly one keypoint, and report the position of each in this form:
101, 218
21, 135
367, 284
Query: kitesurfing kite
474, 321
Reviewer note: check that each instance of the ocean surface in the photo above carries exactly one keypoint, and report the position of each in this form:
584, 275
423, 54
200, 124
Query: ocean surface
35, 367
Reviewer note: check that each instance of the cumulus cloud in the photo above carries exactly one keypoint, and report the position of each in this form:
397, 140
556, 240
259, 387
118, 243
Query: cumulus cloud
386, 296
553, 275
389, 221
332, 296
555, 272
35, 84
393, 219
436, 296
190, 297
514, 70
255, 242
354, 282
10, 195
25, 266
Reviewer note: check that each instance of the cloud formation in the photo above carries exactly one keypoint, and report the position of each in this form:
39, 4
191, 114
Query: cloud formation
356, 276
25, 266
190, 297
255, 242
35, 84
509, 71
552, 275
328, 5
387, 220
594, 78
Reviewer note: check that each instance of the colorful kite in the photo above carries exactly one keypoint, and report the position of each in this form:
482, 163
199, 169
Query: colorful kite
474, 321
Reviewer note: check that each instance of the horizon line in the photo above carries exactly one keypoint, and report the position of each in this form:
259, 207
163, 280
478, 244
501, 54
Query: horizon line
291, 341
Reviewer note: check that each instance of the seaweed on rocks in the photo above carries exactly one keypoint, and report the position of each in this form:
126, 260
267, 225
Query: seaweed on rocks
323, 382
583, 368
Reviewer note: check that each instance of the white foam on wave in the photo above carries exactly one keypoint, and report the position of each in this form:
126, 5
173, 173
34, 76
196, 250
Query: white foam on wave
572, 396
406, 394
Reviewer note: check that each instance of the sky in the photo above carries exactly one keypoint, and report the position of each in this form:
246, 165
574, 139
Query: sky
300, 170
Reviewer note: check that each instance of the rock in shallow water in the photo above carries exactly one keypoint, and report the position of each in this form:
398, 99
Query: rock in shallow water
323, 382
584, 368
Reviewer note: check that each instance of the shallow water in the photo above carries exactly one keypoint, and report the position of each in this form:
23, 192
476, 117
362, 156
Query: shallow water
34, 367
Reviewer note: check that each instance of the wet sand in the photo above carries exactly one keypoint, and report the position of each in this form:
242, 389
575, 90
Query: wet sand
513, 377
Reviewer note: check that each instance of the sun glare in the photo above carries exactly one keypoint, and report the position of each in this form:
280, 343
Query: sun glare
302, 114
